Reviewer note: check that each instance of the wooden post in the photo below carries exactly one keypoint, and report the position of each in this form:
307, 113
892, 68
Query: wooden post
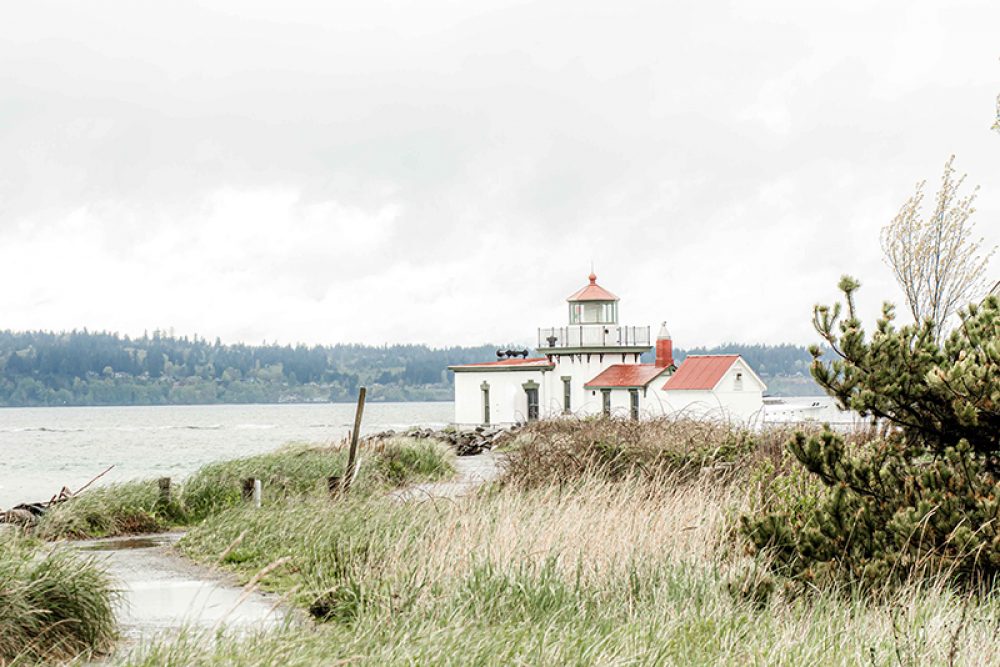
257, 492
247, 489
164, 484
352, 454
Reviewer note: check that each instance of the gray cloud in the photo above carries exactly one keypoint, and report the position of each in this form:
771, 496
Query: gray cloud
446, 172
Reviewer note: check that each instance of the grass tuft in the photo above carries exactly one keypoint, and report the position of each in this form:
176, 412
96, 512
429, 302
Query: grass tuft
53, 606
131, 508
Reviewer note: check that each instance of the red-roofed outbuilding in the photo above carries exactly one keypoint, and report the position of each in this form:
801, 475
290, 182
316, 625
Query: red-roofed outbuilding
701, 372
626, 376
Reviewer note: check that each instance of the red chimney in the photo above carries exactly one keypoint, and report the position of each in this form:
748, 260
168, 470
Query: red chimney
664, 348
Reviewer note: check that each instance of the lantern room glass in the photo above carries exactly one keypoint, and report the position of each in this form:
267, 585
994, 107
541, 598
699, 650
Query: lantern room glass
593, 312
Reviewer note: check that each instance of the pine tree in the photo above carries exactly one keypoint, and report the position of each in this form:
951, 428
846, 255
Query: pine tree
923, 497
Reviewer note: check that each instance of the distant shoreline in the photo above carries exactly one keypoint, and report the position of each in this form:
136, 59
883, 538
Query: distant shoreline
215, 405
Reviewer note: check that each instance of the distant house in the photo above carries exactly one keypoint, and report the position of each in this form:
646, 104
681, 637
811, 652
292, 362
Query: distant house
593, 366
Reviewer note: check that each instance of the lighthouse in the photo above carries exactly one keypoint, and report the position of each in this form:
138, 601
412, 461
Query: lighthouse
592, 365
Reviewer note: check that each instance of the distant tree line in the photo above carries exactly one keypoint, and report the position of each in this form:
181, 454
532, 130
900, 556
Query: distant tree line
40, 368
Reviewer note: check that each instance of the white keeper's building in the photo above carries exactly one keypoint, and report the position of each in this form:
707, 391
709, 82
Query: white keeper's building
593, 366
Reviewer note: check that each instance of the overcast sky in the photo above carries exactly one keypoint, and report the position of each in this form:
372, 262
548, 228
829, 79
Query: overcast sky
446, 172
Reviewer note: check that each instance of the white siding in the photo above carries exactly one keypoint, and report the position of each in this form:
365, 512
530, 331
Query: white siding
508, 401
580, 370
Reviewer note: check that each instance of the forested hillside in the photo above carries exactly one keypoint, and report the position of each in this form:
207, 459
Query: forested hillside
85, 368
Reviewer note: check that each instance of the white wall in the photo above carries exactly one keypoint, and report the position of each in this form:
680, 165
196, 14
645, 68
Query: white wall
508, 402
727, 402
580, 370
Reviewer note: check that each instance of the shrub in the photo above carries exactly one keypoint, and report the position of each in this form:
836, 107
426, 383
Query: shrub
301, 470
52, 607
119, 509
293, 471
401, 460
923, 498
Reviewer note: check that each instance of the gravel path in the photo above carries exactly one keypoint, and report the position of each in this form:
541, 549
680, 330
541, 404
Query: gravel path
473, 471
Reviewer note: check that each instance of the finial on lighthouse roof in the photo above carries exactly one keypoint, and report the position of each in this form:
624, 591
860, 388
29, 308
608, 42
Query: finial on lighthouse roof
592, 292
664, 333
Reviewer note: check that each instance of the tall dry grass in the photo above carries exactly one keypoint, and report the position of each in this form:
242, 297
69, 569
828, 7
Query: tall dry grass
562, 450
636, 571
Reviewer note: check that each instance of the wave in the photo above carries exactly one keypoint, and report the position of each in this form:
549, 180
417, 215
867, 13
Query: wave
41, 429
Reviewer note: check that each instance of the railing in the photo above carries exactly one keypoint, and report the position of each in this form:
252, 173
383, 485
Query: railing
593, 335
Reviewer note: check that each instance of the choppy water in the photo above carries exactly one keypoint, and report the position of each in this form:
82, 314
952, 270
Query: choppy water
44, 449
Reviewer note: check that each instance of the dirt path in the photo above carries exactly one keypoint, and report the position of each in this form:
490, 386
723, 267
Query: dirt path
163, 592
473, 472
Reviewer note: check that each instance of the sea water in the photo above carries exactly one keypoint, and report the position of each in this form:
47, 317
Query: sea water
44, 449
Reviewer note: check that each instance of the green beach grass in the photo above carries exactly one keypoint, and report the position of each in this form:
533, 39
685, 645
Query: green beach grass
54, 605
294, 472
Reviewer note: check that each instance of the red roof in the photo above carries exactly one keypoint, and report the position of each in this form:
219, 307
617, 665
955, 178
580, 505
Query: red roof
626, 375
537, 362
700, 372
592, 292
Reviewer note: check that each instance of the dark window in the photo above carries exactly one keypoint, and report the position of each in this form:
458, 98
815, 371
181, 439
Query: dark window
567, 396
633, 396
532, 394
606, 402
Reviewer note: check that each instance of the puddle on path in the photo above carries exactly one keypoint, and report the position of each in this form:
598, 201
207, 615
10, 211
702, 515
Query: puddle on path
144, 542
162, 592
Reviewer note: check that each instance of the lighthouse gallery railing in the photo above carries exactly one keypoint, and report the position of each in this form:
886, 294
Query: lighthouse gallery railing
593, 335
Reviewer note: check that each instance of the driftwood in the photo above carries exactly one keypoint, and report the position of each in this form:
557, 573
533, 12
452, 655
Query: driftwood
28, 513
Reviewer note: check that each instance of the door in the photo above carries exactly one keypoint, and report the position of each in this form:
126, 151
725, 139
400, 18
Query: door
532, 394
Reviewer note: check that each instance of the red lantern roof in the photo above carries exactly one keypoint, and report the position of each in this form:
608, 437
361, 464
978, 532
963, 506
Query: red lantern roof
700, 372
592, 292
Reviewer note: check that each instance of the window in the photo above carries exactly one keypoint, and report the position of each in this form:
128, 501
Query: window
633, 402
593, 312
485, 387
738, 383
532, 395
567, 395
606, 402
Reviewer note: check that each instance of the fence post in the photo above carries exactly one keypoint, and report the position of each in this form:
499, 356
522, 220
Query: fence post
352, 454
257, 489
164, 484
